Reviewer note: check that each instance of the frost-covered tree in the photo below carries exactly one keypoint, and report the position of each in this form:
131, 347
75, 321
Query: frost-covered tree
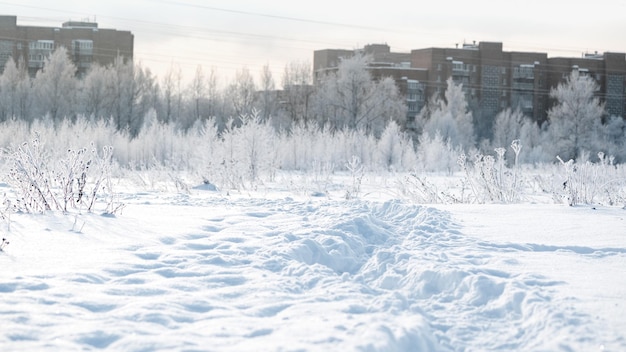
297, 145
147, 99
97, 93
15, 91
214, 107
451, 119
197, 93
576, 117
172, 94
134, 92
534, 140
297, 91
55, 86
394, 149
240, 94
392, 107
267, 96
612, 139
124, 92
350, 98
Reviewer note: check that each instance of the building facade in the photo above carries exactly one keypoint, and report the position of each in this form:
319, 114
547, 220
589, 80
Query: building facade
85, 42
492, 79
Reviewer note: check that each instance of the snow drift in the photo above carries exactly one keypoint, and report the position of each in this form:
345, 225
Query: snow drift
205, 272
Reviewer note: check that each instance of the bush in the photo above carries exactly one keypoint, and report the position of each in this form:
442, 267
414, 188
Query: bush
490, 180
74, 181
585, 182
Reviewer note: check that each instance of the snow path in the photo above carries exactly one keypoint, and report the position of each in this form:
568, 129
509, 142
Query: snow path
208, 273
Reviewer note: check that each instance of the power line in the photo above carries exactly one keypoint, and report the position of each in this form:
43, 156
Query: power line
204, 34
286, 18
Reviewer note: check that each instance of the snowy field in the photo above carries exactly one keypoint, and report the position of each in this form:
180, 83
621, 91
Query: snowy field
280, 270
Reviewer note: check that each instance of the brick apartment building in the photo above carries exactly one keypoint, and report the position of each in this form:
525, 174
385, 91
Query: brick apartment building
85, 42
492, 79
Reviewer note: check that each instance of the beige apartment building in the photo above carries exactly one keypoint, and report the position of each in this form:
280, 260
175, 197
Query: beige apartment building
493, 79
86, 43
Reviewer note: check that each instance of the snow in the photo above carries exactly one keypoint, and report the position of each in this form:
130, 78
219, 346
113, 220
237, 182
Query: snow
280, 271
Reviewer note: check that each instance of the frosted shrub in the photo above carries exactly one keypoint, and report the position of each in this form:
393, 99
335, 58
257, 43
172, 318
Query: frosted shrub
490, 180
42, 182
585, 182
394, 149
322, 176
257, 150
71, 177
352, 143
242, 155
229, 170
30, 177
420, 190
102, 181
436, 155
356, 177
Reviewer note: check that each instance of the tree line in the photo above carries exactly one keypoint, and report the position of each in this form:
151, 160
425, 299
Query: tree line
128, 97
127, 94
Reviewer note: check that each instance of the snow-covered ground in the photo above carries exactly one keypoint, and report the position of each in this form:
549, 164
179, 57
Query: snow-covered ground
283, 271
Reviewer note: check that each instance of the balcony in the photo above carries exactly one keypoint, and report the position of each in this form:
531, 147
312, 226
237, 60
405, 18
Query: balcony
460, 69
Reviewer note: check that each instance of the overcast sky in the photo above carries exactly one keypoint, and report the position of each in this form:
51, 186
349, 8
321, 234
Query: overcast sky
230, 35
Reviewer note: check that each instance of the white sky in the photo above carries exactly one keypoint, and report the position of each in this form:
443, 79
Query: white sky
230, 35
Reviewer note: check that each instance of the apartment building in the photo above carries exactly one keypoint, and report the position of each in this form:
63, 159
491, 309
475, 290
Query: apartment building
493, 79
85, 41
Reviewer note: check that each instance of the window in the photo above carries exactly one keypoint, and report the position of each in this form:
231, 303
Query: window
82, 45
438, 67
524, 71
41, 45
